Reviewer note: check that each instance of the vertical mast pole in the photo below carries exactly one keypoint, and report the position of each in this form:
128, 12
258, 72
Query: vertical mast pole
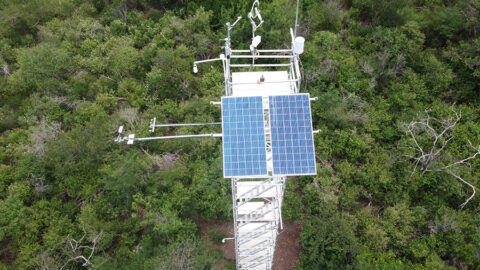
226, 62
296, 18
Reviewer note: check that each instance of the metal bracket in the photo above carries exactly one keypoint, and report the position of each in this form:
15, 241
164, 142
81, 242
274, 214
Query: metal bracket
225, 239
230, 26
195, 68
152, 124
131, 139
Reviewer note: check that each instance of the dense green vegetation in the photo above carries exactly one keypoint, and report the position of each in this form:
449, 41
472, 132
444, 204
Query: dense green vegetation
72, 71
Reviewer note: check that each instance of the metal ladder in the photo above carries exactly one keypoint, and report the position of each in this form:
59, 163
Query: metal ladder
257, 218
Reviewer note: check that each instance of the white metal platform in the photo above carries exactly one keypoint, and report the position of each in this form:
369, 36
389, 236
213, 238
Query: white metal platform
249, 84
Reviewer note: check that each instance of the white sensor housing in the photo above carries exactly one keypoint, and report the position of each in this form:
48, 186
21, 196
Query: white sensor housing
299, 45
256, 40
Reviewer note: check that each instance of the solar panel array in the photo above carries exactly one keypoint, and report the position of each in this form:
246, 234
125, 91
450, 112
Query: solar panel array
292, 137
244, 141
244, 152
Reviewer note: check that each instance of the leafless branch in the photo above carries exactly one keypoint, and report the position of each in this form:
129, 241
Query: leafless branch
76, 248
42, 134
428, 138
38, 183
367, 68
468, 184
130, 116
5, 70
463, 161
63, 100
430, 153
165, 161
45, 261
106, 77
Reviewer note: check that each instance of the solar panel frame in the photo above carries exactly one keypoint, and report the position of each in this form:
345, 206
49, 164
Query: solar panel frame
283, 155
243, 126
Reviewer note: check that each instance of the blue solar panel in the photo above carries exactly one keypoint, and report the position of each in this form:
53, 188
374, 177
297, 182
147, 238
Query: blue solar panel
292, 137
244, 152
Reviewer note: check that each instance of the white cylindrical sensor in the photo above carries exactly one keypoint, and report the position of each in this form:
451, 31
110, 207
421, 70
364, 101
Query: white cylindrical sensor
299, 45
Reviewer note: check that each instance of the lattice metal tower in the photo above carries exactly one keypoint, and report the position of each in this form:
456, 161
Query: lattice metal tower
267, 135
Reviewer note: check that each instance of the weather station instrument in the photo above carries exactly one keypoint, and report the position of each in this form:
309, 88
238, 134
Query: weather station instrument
267, 135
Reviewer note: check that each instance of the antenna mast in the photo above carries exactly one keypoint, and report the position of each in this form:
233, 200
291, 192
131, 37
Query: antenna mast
296, 19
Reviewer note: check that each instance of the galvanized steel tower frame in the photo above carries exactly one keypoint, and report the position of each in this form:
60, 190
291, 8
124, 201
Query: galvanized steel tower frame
257, 203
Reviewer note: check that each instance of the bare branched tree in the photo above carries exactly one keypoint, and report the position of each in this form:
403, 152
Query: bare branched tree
45, 261
186, 87
63, 100
471, 12
181, 256
368, 69
356, 107
384, 64
388, 65
42, 134
77, 249
428, 138
38, 183
334, 9
130, 116
165, 161
5, 70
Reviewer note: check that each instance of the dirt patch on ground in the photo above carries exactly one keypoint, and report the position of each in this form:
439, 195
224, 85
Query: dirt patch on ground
7, 257
286, 253
207, 226
288, 247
